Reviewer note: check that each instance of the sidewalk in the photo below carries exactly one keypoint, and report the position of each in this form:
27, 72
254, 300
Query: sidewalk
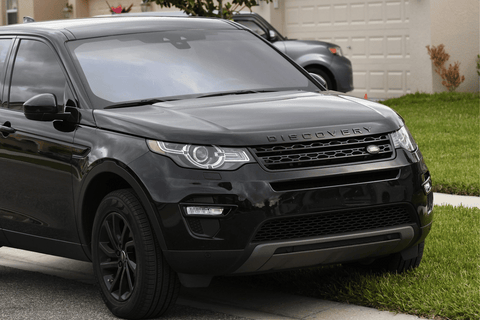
441, 199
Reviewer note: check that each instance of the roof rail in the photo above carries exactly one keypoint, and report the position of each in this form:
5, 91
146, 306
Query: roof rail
28, 19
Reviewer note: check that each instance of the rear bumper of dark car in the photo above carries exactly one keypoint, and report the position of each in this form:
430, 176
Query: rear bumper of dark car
277, 220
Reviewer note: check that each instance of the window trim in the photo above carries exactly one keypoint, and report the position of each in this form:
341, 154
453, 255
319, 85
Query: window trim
4, 70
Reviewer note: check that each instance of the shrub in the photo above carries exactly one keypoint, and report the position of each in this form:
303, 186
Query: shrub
209, 8
451, 77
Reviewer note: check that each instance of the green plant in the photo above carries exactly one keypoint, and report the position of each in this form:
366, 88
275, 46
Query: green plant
209, 8
451, 77
119, 9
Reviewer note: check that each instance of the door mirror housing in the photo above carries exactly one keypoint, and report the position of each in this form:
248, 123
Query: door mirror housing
320, 80
272, 35
43, 107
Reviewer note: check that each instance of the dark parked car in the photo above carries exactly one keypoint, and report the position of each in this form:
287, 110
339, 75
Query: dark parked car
319, 57
173, 150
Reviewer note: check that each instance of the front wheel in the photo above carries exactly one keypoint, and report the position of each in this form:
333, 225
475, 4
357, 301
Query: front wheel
135, 280
324, 75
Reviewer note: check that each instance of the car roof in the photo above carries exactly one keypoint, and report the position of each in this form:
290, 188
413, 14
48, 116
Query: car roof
105, 26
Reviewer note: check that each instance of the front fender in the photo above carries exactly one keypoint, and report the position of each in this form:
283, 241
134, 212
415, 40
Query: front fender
93, 168
123, 172
313, 59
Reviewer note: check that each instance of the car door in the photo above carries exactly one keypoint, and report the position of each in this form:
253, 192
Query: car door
35, 157
5, 48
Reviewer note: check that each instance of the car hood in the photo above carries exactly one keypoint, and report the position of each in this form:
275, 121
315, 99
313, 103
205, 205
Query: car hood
309, 43
252, 119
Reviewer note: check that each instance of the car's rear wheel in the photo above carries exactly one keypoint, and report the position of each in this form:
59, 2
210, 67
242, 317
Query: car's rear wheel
135, 280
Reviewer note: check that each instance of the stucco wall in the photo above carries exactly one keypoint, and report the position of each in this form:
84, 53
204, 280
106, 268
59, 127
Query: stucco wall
2, 16
25, 8
39, 10
80, 8
455, 24
420, 36
48, 10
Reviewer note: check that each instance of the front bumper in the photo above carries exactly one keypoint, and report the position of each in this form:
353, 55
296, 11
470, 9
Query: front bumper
342, 70
327, 250
256, 198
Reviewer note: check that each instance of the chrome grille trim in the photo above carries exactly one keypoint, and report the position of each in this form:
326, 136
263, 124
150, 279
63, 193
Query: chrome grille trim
323, 153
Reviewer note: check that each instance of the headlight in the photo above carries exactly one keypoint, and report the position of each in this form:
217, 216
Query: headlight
336, 50
203, 157
403, 139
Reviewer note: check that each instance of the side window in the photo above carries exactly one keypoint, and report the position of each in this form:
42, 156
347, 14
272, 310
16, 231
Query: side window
4, 46
254, 27
36, 70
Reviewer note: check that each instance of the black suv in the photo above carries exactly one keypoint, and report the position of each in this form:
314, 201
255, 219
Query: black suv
172, 150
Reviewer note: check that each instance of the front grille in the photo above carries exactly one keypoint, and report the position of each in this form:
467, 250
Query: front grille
331, 223
323, 153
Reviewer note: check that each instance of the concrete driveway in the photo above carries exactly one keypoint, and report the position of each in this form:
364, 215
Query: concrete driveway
38, 286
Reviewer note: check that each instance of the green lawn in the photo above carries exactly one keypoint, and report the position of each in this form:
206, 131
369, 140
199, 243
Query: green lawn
446, 127
446, 285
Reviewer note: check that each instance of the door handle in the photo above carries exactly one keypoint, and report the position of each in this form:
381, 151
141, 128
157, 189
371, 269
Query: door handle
7, 129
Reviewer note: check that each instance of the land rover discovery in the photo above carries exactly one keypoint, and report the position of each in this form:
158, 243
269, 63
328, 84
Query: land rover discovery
171, 150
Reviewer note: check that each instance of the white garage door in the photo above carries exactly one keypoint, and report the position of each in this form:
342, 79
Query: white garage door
374, 35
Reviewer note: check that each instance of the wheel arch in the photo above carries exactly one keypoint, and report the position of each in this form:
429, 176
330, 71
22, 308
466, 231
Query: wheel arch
105, 177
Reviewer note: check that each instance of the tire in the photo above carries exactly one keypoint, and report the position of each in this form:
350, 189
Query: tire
135, 280
324, 75
399, 262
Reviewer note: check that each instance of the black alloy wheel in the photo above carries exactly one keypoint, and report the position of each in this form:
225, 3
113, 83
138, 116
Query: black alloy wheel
135, 280
117, 257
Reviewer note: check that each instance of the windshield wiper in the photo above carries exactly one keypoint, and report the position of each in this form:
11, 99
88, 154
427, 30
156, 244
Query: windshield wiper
137, 103
226, 93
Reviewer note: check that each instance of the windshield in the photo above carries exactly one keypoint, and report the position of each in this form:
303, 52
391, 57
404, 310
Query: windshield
181, 64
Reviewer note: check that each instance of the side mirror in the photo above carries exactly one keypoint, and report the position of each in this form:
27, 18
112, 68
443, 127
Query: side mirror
320, 80
272, 35
43, 107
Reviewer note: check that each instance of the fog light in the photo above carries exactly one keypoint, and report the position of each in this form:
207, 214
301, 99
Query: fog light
204, 211
427, 187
